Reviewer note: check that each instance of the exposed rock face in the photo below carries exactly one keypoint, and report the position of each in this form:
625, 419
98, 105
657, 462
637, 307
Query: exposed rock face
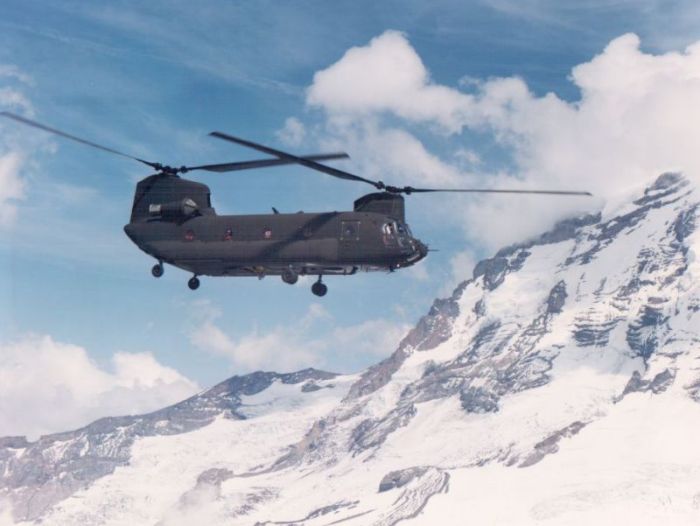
658, 384
433, 329
563, 341
549, 445
398, 479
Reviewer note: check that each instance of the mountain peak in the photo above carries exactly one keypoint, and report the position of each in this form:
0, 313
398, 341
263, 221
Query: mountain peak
570, 359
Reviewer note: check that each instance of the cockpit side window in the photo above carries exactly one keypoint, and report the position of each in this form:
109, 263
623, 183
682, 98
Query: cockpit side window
389, 234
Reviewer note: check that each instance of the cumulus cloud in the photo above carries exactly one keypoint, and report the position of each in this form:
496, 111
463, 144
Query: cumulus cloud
48, 386
12, 159
390, 153
461, 268
292, 133
387, 75
11, 187
635, 118
302, 344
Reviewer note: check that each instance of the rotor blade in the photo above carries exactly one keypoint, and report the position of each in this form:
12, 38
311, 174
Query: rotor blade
262, 163
411, 190
299, 160
35, 124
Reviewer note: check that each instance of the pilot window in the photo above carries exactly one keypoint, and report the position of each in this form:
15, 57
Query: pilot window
349, 230
389, 234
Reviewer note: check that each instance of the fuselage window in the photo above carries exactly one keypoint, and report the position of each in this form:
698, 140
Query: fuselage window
267, 233
228, 235
388, 234
189, 235
349, 230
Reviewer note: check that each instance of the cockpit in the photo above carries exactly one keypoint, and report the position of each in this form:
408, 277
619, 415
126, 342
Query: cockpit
396, 233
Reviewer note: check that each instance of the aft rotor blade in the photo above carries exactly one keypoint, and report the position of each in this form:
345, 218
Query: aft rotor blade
262, 163
411, 190
299, 160
40, 126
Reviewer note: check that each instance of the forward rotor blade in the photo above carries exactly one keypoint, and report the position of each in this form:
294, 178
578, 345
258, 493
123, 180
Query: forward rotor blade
262, 163
411, 190
43, 127
299, 160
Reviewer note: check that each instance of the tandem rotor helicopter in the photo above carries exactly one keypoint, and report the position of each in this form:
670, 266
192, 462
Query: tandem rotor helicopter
172, 220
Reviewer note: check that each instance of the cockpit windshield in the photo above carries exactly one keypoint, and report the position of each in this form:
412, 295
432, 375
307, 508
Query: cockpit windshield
395, 233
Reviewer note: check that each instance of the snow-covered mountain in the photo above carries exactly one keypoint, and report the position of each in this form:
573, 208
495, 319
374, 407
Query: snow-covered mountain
559, 385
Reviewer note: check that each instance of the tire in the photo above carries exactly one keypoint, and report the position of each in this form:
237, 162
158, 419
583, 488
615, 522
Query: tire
157, 270
290, 276
319, 289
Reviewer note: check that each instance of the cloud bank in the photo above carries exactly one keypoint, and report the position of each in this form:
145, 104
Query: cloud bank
48, 386
289, 347
636, 117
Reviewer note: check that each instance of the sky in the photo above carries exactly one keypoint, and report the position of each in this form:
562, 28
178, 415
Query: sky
597, 95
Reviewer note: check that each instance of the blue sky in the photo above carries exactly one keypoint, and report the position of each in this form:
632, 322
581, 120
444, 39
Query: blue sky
154, 78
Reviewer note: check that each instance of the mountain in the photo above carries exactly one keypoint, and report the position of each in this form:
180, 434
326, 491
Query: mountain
559, 385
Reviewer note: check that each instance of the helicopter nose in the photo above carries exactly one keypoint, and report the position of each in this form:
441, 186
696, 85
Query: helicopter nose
420, 250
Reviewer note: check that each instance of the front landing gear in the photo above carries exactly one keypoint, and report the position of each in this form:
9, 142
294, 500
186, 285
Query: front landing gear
193, 283
157, 269
318, 288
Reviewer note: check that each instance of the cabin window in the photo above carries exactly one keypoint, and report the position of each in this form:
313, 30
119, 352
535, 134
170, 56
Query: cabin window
228, 235
389, 234
349, 230
267, 233
189, 235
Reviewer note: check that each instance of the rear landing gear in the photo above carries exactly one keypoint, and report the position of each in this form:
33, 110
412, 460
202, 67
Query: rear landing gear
290, 276
193, 283
157, 270
318, 288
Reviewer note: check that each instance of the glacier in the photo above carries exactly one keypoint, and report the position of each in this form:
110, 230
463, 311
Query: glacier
559, 385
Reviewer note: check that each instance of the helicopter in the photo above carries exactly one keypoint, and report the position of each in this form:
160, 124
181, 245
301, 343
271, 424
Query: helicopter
172, 220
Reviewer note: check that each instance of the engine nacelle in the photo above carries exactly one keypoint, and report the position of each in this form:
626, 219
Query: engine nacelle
182, 209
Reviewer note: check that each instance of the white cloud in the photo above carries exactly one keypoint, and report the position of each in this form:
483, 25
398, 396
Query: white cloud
387, 153
12, 71
635, 119
305, 343
376, 337
12, 158
461, 268
11, 187
48, 386
387, 75
292, 133
282, 348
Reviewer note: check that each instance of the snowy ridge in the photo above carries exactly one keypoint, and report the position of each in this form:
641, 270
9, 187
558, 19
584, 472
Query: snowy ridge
563, 379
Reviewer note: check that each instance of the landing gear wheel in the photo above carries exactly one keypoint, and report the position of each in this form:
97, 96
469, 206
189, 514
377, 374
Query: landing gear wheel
193, 283
290, 276
157, 270
319, 289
